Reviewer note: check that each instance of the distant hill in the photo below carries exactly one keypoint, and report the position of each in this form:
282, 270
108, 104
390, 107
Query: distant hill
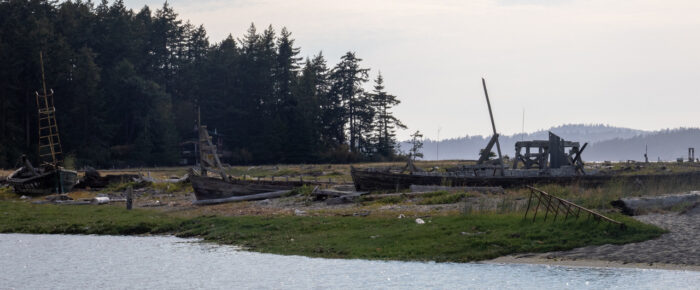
605, 143
665, 144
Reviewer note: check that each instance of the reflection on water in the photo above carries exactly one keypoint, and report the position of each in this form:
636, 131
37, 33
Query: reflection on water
116, 262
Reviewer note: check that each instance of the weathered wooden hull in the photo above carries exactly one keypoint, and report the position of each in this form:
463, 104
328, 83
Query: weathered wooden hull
379, 180
46, 183
214, 188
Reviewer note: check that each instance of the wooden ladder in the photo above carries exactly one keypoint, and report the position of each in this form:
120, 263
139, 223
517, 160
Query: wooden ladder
49, 140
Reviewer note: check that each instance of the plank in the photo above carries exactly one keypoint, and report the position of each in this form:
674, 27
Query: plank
259, 196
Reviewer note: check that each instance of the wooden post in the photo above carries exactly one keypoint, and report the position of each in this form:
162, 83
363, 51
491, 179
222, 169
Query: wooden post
129, 197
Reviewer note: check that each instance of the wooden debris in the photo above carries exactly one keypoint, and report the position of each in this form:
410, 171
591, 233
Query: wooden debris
259, 196
93, 179
638, 205
334, 197
555, 205
432, 188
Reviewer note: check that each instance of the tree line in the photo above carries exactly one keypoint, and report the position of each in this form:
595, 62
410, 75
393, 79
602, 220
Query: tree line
128, 84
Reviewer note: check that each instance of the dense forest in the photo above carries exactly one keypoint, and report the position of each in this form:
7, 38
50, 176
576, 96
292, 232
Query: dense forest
128, 84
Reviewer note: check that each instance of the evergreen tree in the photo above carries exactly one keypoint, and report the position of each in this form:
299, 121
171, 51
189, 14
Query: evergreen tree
306, 140
386, 124
128, 85
348, 100
416, 145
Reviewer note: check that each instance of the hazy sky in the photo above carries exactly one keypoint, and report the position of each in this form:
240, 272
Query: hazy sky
624, 63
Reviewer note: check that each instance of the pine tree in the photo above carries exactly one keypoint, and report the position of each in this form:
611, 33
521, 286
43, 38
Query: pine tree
416, 145
348, 100
386, 123
308, 129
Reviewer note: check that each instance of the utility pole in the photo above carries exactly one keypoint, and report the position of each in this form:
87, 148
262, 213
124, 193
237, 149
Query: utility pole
438, 144
522, 132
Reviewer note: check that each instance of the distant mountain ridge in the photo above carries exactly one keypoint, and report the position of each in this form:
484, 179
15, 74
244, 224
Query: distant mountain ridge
605, 143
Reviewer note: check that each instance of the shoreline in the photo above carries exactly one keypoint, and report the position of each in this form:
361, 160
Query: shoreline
675, 250
519, 259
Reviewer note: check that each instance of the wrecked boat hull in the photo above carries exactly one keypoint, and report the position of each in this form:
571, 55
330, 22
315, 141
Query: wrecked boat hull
54, 181
382, 180
377, 180
207, 188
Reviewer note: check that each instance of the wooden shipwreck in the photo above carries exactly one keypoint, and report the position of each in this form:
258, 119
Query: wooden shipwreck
49, 177
224, 188
544, 161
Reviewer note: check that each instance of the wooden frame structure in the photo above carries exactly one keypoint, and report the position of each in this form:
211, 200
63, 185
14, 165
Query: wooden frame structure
555, 205
208, 155
549, 153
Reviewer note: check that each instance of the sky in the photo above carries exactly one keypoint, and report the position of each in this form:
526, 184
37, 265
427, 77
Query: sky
624, 63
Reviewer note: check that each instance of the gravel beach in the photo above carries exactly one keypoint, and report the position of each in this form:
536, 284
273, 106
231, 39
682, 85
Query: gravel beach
678, 249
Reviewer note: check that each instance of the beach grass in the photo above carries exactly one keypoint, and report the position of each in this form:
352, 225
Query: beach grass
453, 238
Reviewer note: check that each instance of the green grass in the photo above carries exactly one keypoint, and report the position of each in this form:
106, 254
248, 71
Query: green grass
121, 186
457, 238
385, 200
172, 187
442, 197
6, 193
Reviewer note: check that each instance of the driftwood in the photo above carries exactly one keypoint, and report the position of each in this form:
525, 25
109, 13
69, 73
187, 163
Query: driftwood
148, 179
259, 196
370, 197
333, 197
93, 179
639, 205
433, 188
64, 202
335, 193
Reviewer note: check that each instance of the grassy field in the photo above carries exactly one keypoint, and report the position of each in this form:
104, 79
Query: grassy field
455, 238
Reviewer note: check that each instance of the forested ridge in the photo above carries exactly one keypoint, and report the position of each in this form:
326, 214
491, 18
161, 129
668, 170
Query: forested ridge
128, 84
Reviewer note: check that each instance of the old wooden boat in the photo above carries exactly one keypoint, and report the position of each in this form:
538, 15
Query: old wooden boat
42, 181
373, 179
544, 161
206, 188
212, 190
50, 176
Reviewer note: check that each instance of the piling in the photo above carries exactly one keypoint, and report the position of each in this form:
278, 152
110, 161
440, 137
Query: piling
129, 197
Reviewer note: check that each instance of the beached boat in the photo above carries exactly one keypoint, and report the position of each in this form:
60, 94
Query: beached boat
373, 179
42, 181
50, 176
206, 188
213, 190
543, 161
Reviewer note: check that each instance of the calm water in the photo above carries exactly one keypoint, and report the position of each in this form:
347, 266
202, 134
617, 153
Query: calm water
115, 262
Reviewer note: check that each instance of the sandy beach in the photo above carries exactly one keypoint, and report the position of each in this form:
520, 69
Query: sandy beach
678, 250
